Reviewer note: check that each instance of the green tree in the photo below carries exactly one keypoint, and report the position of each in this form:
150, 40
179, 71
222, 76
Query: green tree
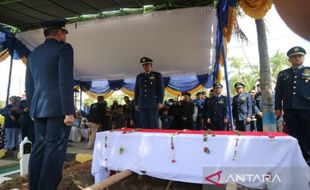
1, 120
88, 101
119, 97
2, 104
241, 72
278, 62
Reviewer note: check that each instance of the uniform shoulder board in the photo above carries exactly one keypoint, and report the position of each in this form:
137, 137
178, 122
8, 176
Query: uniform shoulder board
155, 73
283, 73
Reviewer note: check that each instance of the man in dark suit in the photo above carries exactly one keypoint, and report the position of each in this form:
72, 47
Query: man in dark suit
293, 97
97, 112
149, 94
187, 109
96, 120
26, 123
242, 108
49, 91
217, 110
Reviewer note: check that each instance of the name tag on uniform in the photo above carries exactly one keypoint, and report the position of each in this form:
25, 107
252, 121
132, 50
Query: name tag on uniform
243, 98
152, 79
221, 101
306, 74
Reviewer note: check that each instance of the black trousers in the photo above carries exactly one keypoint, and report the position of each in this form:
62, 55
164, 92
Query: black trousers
27, 128
149, 118
298, 126
48, 153
259, 124
243, 126
218, 125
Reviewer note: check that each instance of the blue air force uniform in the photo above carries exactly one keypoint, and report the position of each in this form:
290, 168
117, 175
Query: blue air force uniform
217, 110
293, 97
149, 92
49, 90
254, 118
293, 89
242, 109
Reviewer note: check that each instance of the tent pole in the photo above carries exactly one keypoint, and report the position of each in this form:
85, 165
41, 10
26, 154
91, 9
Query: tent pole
9, 81
227, 86
81, 98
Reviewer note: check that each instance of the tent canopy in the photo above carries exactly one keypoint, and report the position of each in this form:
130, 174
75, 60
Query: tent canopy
28, 14
179, 41
107, 51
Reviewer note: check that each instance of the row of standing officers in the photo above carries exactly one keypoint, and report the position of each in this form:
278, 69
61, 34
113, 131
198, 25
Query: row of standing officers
49, 82
292, 101
149, 96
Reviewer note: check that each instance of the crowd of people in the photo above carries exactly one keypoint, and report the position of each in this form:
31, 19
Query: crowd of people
184, 112
17, 123
49, 91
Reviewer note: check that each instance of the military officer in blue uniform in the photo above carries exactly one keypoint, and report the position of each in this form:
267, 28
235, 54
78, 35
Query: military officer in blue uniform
292, 97
255, 111
149, 95
242, 108
217, 110
49, 91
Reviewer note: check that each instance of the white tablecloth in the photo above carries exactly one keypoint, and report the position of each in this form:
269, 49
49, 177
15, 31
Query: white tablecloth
150, 153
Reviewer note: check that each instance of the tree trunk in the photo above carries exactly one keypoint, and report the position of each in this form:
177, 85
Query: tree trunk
269, 122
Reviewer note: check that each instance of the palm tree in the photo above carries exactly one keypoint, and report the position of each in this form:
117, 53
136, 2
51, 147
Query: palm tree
265, 77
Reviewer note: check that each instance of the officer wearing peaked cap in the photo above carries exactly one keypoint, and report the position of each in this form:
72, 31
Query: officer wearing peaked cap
292, 97
55, 24
149, 94
242, 108
217, 110
49, 91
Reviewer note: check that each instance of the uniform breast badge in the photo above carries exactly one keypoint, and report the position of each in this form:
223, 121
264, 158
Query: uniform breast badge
306, 75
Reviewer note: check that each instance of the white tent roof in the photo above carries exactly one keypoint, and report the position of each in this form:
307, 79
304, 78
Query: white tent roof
179, 41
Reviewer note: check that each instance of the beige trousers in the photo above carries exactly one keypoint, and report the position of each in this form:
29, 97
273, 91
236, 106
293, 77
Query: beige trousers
93, 129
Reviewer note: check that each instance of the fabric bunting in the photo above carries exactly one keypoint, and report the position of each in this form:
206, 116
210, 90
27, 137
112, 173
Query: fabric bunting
256, 9
175, 85
10, 45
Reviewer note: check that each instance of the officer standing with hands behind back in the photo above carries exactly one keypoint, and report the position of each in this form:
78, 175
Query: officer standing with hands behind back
149, 94
242, 108
49, 91
216, 114
293, 98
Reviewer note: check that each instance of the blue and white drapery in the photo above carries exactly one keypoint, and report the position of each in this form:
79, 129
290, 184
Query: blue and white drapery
174, 85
